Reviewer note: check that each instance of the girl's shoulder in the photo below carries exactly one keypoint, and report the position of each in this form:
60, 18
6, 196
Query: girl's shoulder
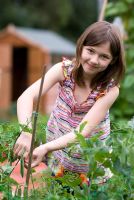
67, 67
103, 91
111, 84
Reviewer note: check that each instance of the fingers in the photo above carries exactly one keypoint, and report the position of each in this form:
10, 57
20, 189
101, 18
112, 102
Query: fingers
22, 145
22, 149
35, 162
26, 162
36, 158
19, 150
26, 154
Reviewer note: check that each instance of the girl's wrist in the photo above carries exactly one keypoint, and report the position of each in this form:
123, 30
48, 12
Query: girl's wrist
47, 147
44, 148
26, 134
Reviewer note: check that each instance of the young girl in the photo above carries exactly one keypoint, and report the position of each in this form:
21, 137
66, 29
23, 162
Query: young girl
88, 86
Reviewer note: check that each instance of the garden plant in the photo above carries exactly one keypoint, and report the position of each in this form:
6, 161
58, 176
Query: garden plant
116, 154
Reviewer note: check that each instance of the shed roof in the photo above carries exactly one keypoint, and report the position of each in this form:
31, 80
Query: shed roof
45, 39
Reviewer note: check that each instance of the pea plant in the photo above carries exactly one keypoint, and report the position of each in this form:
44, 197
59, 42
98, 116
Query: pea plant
9, 133
115, 155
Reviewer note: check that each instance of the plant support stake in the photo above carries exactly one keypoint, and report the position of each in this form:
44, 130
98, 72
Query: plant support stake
35, 116
102, 12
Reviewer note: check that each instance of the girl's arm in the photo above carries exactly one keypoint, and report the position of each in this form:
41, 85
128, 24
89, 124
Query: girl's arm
25, 106
95, 115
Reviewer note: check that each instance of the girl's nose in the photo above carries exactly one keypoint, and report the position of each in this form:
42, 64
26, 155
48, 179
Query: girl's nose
94, 59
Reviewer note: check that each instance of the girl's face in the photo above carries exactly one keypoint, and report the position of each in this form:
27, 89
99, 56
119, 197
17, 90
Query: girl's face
95, 59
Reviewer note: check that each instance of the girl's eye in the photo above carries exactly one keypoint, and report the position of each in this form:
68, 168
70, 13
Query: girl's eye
104, 57
91, 51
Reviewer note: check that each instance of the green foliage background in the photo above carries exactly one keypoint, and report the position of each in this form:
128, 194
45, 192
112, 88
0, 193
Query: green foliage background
68, 17
124, 107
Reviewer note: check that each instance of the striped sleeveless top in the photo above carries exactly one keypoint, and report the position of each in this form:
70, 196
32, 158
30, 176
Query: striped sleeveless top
67, 115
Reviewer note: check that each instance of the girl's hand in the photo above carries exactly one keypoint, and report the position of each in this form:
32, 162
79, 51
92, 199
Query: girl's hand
38, 155
22, 145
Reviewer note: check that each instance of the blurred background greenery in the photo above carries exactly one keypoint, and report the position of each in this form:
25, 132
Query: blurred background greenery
69, 18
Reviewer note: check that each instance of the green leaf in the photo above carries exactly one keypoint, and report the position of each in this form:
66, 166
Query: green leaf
22, 166
82, 126
7, 169
107, 163
92, 167
102, 154
1, 129
81, 140
130, 158
129, 81
99, 172
111, 10
70, 179
130, 1
25, 128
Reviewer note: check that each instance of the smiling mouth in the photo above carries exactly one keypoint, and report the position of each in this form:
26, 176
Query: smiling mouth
91, 66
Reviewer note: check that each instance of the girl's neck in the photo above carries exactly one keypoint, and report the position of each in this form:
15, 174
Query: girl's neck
87, 79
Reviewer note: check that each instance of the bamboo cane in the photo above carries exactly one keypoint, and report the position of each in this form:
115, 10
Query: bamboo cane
102, 12
35, 116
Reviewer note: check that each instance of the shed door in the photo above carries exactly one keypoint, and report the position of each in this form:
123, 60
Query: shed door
19, 71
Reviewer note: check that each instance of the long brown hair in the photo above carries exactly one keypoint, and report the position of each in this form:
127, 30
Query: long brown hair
98, 33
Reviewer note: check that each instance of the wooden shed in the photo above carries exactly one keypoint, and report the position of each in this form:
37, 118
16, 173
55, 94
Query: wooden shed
23, 52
